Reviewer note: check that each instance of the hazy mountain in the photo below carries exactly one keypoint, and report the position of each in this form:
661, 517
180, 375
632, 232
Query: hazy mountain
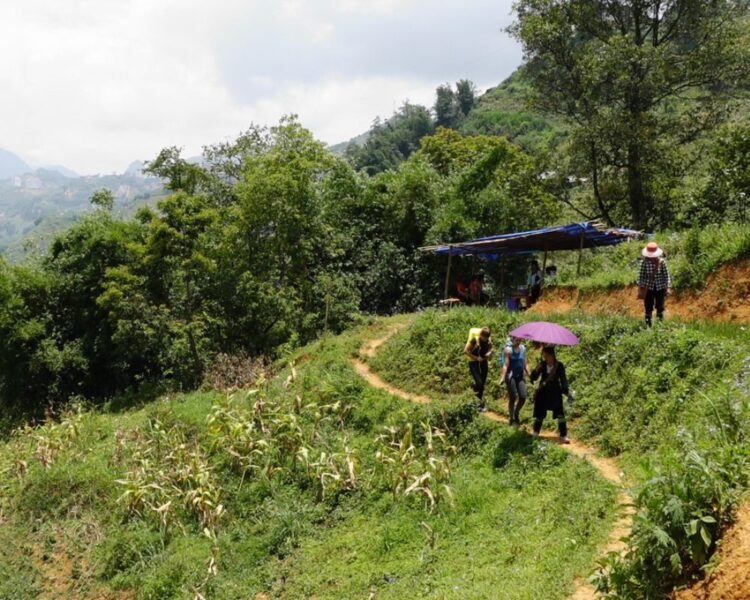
34, 206
135, 168
340, 148
11, 165
64, 171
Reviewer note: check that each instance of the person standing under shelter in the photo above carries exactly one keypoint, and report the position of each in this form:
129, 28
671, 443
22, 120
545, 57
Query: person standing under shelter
515, 367
549, 394
654, 281
478, 349
534, 283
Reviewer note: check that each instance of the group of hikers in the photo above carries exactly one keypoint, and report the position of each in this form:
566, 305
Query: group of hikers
654, 284
548, 395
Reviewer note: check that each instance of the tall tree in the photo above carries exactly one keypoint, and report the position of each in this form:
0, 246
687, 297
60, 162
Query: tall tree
630, 74
466, 95
446, 108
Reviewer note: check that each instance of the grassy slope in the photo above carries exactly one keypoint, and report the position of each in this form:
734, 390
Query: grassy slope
504, 110
672, 402
527, 519
692, 257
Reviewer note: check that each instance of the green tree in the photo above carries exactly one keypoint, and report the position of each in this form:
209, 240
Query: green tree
391, 142
726, 196
446, 106
103, 199
633, 75
466, 96
180, 175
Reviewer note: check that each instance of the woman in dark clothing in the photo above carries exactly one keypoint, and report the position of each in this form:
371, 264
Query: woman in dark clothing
549, 394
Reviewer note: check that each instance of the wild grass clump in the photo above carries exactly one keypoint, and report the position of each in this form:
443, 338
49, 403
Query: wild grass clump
406, 471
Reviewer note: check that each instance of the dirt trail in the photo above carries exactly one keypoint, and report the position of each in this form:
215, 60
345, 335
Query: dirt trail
607, 467
724, 297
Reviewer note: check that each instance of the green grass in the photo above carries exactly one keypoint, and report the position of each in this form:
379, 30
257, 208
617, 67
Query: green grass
692, 256
527, 517
672, 402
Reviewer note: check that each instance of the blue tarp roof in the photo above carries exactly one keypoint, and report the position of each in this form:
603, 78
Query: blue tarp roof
562, 237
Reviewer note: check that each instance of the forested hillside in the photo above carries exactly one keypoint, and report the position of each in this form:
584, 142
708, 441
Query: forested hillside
37, 205
269, 243
223, 377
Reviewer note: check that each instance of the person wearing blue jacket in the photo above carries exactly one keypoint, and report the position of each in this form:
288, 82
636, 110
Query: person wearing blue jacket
515, 368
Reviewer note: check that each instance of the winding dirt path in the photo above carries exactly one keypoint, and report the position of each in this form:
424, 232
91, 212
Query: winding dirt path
607, 467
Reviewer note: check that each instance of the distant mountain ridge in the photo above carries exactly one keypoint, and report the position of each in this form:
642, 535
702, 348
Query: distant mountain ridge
12, 165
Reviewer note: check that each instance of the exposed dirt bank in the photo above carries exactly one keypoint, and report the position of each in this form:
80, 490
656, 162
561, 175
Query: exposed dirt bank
725, 297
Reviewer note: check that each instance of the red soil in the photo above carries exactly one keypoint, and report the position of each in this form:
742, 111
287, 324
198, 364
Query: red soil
725, 297
730, 580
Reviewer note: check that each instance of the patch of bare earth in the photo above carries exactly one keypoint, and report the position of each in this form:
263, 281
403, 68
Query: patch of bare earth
724, 297
607, 467
730, 579
66, 574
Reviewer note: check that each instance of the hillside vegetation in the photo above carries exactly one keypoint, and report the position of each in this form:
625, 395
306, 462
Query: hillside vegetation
692, 256
671, 402
310, 483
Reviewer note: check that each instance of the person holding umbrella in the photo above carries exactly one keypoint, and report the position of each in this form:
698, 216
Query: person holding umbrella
551, 373
478, 350
549, 394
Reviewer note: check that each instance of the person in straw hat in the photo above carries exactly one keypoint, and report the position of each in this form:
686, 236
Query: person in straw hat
654, 281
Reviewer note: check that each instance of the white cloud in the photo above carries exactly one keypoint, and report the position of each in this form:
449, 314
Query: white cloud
94, 84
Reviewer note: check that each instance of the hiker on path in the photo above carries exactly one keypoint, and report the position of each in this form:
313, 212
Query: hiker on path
515, 367
478, 349
654, 281
534, 283
549, 394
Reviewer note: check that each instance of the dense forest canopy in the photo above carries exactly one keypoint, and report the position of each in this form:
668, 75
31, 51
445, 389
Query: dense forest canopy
272, 239
267, 244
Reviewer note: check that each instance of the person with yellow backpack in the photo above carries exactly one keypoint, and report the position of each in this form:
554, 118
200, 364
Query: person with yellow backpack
478, 350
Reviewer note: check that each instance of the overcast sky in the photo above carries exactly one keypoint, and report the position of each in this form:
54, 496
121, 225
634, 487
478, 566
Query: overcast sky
95, 84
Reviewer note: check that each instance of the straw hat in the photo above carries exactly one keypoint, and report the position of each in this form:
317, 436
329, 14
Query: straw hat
652, 250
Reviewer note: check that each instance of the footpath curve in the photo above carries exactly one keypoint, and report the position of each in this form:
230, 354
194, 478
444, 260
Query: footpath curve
607, 467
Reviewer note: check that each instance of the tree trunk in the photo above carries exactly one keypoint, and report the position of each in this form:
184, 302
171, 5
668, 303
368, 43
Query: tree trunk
639, 202
194, 351
595, 182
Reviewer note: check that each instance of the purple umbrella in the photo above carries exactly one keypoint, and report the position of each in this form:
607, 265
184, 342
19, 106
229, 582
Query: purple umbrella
546, 333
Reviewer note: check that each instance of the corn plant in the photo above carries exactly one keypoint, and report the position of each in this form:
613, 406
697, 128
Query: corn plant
330, 472
407, 471
169, 471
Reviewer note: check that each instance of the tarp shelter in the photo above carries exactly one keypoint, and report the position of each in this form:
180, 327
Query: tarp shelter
575, 236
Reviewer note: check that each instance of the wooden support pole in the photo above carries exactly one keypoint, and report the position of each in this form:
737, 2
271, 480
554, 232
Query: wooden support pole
544, 267
502, 280
580, 257
448, 274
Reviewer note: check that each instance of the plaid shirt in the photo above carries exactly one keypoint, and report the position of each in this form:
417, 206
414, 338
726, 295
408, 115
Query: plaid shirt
654, 275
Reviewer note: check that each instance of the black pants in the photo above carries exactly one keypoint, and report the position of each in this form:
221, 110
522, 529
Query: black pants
479, 373
536, 291
542, 405
654, 298
516, 393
